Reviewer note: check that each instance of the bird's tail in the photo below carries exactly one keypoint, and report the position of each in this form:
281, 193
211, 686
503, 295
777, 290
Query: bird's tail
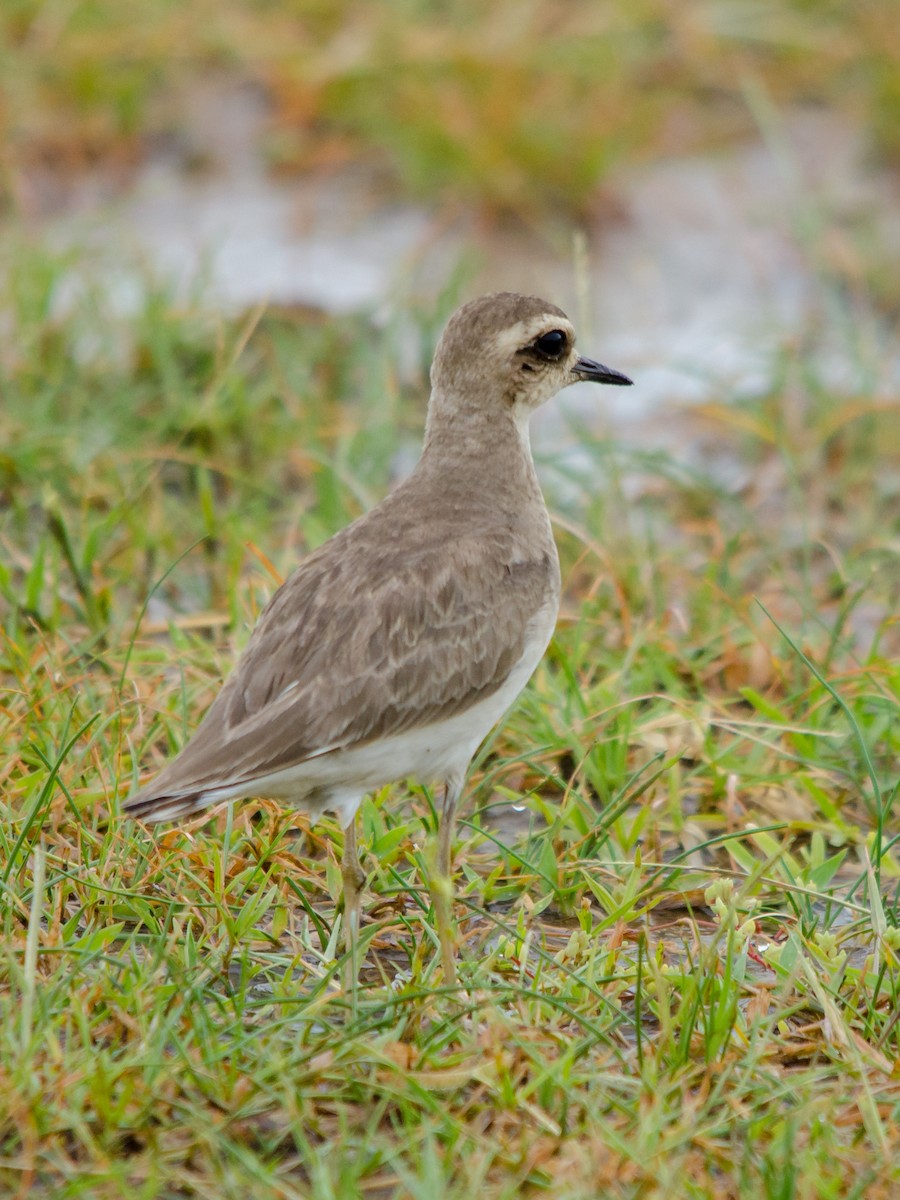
153, 806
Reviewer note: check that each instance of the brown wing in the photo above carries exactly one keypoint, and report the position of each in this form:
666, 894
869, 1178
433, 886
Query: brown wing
336, 662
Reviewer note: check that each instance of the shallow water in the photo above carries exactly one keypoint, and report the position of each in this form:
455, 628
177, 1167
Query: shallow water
695, 274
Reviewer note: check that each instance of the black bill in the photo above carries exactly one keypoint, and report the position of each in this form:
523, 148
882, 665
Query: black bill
594, 372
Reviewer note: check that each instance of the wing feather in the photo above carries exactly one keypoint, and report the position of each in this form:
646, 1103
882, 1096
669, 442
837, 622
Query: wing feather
336, 663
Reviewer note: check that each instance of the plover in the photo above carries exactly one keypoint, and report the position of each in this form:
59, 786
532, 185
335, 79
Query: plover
394, 648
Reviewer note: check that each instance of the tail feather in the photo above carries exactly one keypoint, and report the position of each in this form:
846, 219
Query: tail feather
154, 807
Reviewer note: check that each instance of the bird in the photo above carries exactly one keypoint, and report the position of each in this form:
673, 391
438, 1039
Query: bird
396, 646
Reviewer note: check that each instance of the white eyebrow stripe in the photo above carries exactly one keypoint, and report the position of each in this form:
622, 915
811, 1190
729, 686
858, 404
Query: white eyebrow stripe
523, 332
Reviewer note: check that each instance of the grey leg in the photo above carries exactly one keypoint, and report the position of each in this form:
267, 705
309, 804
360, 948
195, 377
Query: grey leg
442, 883
354, 877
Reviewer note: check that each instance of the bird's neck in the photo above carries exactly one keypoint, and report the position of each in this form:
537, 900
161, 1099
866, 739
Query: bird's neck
485, 449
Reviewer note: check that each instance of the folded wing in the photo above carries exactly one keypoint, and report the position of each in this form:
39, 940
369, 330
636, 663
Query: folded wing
334, 664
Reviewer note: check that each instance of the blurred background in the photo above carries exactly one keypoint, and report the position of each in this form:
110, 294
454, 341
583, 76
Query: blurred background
690, 179
710, 188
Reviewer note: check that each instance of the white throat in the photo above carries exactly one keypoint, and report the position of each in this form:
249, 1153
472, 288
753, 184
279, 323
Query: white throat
522, 421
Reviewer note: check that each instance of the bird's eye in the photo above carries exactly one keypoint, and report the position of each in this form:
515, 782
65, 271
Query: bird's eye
552, 344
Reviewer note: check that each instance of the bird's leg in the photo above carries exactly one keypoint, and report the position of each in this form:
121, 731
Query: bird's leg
442, 881
354, 877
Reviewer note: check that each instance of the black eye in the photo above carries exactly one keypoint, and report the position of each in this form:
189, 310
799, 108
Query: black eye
552, 344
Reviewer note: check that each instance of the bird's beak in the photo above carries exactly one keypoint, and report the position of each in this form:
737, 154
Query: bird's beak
594, 372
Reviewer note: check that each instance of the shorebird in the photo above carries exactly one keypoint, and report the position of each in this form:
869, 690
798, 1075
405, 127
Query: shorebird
396, 646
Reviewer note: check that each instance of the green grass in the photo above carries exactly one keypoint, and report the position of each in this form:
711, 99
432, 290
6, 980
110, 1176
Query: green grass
679, 878
521, 107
